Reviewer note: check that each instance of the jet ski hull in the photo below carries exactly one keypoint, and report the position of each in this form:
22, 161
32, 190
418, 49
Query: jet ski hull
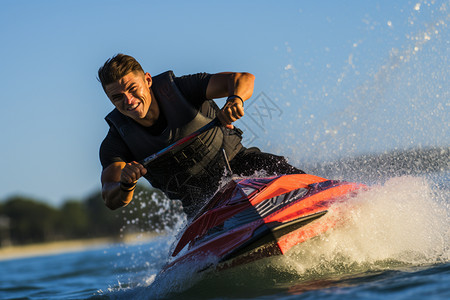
250, 219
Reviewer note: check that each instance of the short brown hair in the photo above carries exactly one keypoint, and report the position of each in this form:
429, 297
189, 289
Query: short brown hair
116, 67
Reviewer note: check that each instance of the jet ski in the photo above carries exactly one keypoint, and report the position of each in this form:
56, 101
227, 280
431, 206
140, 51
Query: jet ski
253, 218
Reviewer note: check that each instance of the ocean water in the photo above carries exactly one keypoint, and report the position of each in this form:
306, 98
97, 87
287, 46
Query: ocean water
394, 241
394, 244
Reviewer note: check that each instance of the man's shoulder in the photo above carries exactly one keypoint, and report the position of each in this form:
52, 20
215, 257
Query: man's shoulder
164, 75
193, 87
170, 75
114, 149
194, 76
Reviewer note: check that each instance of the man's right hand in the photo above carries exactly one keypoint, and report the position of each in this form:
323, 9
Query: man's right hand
113, 194
132, 172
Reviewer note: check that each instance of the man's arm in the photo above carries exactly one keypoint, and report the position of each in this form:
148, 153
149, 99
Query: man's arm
228, 84
119, 181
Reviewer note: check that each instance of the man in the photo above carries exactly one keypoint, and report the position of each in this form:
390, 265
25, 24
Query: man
153, 112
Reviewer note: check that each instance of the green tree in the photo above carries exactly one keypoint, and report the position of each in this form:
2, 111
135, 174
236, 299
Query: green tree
102, 220
73, 220
30, 221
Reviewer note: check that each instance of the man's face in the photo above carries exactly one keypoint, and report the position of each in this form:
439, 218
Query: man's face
131, 94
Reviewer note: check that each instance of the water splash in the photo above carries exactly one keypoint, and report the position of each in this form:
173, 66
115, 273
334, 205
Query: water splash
151, 216
378, 101
404, 222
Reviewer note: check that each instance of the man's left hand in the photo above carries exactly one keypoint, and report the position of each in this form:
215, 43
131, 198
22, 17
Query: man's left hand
232, 111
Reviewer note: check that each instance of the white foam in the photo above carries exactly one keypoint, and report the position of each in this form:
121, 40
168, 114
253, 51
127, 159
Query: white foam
402, 222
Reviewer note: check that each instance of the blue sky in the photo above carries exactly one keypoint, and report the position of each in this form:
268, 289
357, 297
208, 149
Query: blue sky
342, 77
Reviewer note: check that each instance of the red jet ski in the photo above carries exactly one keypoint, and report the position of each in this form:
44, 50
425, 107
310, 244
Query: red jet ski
250, 219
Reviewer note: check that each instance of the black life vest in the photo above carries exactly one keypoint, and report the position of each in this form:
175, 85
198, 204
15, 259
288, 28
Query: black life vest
192, 171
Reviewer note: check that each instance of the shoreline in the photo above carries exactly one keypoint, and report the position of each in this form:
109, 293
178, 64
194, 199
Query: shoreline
59, 247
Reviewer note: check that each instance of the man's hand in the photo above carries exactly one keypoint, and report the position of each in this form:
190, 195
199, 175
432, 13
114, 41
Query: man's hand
132, 172
232, 111
238, 87
118, 182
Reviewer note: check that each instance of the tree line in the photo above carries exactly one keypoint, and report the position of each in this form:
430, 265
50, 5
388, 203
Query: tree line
24, 220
